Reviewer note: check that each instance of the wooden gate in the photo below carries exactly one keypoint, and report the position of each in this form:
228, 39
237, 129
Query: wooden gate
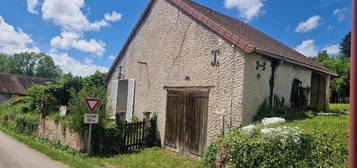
186, 121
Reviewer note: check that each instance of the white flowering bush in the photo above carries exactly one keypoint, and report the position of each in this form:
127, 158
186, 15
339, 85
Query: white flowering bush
261, 146
279, 146
272, 120
282, 134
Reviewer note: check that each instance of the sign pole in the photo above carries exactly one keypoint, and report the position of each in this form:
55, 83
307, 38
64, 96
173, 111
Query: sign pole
353, 91
89, 138
90, 118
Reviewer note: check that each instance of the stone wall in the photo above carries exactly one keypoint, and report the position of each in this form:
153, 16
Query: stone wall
54, 131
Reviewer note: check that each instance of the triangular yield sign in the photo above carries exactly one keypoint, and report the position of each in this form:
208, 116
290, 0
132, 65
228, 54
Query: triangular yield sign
92, 104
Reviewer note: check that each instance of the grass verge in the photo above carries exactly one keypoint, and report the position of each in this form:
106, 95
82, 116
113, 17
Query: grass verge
150, 157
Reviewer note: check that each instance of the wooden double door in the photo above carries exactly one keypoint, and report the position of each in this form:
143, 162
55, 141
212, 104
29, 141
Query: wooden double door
186, 121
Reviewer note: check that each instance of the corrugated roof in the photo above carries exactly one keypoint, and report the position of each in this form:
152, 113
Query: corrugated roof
18, 84
238, 33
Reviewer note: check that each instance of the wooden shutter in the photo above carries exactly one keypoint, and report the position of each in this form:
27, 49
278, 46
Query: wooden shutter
130, 100
114, 98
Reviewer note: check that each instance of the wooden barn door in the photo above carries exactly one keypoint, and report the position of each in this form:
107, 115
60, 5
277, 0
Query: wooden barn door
186, 121
318, 92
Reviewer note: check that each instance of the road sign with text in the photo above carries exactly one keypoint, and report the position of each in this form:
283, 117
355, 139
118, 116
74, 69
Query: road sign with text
90, 118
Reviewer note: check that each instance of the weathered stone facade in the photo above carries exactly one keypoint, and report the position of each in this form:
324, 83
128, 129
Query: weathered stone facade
257, 89
170, 49
179, 48
55, 131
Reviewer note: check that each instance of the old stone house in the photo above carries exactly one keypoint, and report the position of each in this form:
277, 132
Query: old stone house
12, 85
202, 71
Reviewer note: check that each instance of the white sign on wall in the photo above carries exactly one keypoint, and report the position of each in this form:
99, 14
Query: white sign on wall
90, 118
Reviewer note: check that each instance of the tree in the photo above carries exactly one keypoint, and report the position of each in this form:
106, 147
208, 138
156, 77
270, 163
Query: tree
95, 80
3, 62
340, 64
46, 67
345, 45
22, 63
29, 64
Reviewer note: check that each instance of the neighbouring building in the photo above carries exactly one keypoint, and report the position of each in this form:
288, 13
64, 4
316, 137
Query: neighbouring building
204, 72
12, 85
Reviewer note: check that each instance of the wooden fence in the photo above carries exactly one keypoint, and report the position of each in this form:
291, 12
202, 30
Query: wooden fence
136, 135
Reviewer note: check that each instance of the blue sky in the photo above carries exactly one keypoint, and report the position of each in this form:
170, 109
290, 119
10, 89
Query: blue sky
85, 35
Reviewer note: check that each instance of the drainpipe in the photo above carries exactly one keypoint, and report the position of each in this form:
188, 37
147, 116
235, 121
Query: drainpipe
353, 91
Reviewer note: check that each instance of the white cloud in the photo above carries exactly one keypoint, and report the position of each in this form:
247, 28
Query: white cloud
332, 49
70, 40
330, 28
248, 9
310, 24
111, 57
14, 40
68, 15
114, 16
69, 64
307, 48
88, 61
31, 5
310, 49
340, 13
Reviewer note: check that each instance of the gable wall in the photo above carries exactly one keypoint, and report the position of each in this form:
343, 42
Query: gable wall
175, 47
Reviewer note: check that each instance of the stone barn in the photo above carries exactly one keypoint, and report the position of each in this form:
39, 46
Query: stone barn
203, 72
12, 85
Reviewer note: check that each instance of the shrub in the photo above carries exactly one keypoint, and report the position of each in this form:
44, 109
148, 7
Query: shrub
26, 123
152, 140
108, 138
267, 111
209, 157
77, 108
278, 147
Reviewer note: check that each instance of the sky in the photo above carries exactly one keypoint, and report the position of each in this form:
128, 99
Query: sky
83, 36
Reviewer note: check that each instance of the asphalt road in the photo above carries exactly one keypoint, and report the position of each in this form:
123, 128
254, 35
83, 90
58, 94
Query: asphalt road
14, 154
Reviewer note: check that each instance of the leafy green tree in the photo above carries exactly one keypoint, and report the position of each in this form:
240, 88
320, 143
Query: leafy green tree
340, 64
3, 63
345, 45
23, 63
46, 67
95, 80
29, 64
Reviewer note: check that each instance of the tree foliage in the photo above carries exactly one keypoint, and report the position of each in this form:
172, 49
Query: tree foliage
345, 45
341, 64
29, 64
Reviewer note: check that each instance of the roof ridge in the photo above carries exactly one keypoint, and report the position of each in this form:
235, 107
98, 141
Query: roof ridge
248, 46
19, 75
222, 31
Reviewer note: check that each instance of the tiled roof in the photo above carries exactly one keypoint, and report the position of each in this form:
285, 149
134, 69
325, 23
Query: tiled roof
238, 33
18, 84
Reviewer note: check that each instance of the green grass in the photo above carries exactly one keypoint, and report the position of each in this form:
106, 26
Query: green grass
344, 108
150, 157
